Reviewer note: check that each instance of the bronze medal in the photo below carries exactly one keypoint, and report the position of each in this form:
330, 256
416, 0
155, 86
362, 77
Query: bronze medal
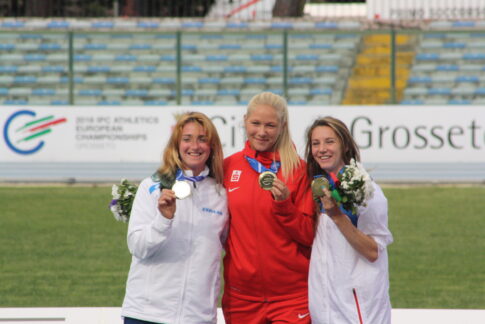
317, 186
266, 180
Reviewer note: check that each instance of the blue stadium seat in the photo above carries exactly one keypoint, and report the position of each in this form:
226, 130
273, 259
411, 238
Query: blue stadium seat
59, 102
136, 92
109, 103
7, 47
16, 102
9, 69
474, 56
439, 91
480, 91
228, 92
90, 92
102, 24
148, 24
321, 91
163, 80
447, 67
54, 69
202, 103
117, 80
34, 57
25, 79
459, 102
412, 102
155, 102
209, 80
58, 24
297, 102
43, 92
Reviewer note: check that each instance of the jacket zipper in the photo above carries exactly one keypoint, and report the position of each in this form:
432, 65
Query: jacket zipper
187, 265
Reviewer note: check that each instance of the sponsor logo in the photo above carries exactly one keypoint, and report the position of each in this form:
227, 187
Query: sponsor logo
22, 131
232, 189
300, 316
212, 211
236, 174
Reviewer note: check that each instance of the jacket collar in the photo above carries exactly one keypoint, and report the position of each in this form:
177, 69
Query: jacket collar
264, 157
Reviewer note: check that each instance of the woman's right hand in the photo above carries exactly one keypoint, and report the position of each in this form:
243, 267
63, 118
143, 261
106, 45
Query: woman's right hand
329, 204
167, 203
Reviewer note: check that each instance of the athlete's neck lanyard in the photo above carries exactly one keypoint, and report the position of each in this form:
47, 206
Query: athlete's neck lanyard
179, 176
259, 167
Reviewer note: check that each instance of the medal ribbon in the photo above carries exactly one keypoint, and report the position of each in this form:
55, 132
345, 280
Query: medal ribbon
334, 184
180, 177
259, 167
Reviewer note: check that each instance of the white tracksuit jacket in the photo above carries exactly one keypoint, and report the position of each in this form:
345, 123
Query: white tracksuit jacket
336, 269
174, 273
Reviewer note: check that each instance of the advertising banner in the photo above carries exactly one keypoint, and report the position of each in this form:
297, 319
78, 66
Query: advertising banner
395, 134
430, 9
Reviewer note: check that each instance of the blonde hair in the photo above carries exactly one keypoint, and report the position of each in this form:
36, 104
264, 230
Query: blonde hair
350, 150
288, 156
171, 158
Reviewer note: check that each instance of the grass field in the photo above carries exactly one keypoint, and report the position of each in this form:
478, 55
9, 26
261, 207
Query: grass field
60, 246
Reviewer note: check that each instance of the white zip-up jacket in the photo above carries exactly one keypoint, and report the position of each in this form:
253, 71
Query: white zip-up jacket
337, 270
174, 273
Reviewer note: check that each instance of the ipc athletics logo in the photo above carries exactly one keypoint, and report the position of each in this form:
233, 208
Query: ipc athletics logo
22, 131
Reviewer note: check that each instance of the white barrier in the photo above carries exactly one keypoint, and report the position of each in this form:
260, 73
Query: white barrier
111, 315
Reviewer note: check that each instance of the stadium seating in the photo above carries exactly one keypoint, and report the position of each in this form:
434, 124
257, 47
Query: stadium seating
449, 67
216, 67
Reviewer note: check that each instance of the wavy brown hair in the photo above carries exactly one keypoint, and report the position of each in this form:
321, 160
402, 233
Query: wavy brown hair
171, 158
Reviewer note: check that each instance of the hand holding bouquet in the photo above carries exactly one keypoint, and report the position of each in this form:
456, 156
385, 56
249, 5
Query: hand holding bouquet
123, 197
350, 188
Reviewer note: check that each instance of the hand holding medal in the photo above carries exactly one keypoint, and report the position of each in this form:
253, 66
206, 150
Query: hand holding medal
181, 189
278, 188
166, 203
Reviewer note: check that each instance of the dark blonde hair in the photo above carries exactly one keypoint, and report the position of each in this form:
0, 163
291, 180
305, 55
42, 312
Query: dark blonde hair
284, 145
350, 150
171, 158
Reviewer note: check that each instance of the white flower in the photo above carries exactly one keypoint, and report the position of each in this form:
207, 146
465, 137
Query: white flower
123, 197
114, 192
115, 211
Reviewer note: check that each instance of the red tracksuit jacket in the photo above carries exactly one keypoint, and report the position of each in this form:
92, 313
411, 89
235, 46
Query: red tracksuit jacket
268, 247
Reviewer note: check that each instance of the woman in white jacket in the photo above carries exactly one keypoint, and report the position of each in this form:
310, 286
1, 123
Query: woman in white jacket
348, 278
176, 231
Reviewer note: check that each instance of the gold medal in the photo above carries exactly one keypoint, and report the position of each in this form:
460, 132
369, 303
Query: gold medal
182, 189
317, 186
266, 180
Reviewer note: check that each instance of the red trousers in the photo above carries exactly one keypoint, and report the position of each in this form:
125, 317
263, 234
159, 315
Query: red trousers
239, 311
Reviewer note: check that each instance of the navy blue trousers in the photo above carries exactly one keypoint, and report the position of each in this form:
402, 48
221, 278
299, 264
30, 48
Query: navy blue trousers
129, 320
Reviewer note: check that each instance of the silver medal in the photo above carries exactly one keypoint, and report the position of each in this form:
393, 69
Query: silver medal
182, 189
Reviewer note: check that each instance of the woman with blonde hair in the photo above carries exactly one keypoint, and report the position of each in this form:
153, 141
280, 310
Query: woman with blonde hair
271, 227
176, 231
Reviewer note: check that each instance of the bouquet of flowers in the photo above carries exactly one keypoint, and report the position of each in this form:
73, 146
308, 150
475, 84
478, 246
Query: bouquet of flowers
353, 187
123, 197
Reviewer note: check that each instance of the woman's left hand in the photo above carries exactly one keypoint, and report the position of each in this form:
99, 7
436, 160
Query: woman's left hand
280, 191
